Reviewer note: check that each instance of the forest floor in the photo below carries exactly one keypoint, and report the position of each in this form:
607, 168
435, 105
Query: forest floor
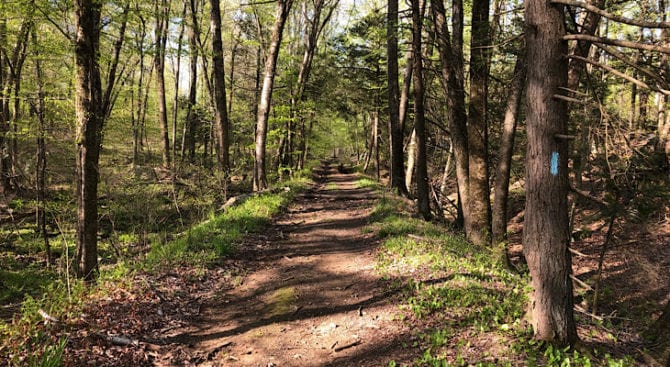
310, 295
346, 276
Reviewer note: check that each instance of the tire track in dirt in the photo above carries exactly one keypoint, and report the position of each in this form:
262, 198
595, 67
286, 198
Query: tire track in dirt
311, 296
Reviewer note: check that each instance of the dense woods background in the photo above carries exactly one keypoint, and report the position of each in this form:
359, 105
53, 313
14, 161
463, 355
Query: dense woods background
124, 124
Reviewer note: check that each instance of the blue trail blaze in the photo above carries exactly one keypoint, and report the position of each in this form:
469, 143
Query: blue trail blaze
554, 163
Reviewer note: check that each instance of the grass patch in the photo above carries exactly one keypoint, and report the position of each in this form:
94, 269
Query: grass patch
365, 182
218, 235
466, 307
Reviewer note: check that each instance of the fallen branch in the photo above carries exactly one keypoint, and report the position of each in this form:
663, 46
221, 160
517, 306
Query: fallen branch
341, 347
580, 282
575, 252
586, 195
47, 318
579, 309
122, 341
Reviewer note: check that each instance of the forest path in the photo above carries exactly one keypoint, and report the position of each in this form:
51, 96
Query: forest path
311, 295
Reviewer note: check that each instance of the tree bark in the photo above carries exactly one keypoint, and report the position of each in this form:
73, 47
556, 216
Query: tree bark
545, 235
10, 77
221, 110
41, 161
316, 27
422, 188
177, 73
451, 67
479, 231
395, 127
89, 117
140, 110
411, 161
162, 13
260, 179
188, 137
501, 191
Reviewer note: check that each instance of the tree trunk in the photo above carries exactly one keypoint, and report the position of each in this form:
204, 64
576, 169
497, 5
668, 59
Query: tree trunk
188, 138
4, 111
221, 110
140, 110
89, 118
422, 188
545, 235
10, 77
451, 67
411, 161
41, 161
395, 127
478, 175
162, 12
501, 190
260, 180
404, 96
175, 102
315, 27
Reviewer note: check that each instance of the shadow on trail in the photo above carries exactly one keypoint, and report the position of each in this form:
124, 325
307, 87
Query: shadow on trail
320, 256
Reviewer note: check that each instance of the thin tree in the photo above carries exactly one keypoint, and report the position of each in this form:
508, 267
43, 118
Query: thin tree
478, 174
162, 13
92, 107
545, 234
395, 127
89, 118
422, 188
259, 179
41, 157
221, 128
451, 67
501, 188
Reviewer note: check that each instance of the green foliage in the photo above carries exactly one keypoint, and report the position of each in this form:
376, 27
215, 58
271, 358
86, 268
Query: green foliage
463, 295
365, 183
52, 356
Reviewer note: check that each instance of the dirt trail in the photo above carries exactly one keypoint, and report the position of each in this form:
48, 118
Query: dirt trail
312, 297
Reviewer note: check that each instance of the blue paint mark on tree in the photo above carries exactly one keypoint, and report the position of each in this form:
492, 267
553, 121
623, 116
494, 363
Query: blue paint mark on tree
554, 163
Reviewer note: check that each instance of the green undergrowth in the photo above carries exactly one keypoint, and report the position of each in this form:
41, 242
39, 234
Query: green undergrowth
218, 235
27, 340
467, 308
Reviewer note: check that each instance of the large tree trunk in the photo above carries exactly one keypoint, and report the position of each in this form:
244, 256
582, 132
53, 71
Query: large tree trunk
395, 127
422, 188
545, 235
89, 117
451, 67
260, 181
221, 110
479, 231
501, 191
162, 12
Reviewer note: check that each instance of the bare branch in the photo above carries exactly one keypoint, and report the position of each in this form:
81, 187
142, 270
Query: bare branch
625, 76
620, 43
632, 64
614, 17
